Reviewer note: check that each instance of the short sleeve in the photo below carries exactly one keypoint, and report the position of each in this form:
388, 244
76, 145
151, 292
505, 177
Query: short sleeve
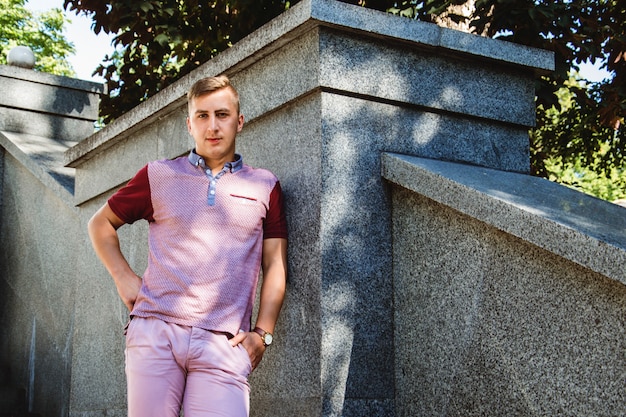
275, 225
132, 202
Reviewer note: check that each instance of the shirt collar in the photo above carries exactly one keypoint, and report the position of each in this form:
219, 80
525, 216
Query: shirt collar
234, 166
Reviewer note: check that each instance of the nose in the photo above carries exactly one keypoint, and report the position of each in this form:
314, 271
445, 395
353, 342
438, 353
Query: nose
212, 124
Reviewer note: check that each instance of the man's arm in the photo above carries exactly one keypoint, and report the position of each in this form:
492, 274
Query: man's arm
274, 264
274, 283
102, 228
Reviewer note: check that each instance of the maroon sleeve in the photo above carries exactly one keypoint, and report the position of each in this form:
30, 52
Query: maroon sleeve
275, 225
132, 202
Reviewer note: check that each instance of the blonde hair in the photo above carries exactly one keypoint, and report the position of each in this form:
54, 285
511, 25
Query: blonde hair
210, 84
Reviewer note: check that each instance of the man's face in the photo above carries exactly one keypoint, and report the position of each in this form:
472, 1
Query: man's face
214, 123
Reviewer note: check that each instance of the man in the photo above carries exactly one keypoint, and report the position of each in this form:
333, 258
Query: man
213, 223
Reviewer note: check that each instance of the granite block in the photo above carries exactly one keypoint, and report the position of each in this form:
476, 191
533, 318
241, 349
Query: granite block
383, 25
121, 162
56, 180
37, 296
576, 226
489, 324
98, 379
278, 142
425, 134
269, 84
409, 75
44, 155
44, 78
45, 125
48, 98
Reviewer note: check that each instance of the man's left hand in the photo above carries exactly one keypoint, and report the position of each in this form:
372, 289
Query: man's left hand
253, 344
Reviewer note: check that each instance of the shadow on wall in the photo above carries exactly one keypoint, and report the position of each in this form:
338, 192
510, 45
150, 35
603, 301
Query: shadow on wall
357, 292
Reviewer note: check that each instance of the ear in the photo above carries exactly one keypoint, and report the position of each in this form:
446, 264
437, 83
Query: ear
188, 125
240, 123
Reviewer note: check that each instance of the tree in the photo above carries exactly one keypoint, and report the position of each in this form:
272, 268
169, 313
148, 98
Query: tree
43, 34
583, 173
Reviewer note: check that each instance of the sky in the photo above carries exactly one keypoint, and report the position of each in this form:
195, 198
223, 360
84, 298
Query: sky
91, 49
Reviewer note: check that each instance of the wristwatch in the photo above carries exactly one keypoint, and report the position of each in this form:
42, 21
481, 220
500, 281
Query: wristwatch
265, 336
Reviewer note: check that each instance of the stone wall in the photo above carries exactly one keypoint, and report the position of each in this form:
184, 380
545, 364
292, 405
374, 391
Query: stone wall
47, 105
38, 261
325, 89
41, 116
509, 294
328, 89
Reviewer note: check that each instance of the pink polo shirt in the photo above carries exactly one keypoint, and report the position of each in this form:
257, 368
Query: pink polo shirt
205, 239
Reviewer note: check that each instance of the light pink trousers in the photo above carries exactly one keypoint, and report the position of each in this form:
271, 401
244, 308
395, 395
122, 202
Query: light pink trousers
170, 366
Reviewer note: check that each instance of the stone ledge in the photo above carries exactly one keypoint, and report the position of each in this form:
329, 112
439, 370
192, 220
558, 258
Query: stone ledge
359, 19
42, 157
578, 227
39, 77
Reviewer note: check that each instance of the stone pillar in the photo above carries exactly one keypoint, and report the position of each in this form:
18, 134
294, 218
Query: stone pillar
349, 85
42, 115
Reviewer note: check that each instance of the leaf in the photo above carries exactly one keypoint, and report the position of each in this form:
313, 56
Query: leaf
162, 38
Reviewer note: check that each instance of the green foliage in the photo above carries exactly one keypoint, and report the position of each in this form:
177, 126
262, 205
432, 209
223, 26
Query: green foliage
608, 185
422, 10
42, 33
587, 169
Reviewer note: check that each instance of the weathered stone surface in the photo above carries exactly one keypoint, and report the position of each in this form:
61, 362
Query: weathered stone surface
509, 294
444, 283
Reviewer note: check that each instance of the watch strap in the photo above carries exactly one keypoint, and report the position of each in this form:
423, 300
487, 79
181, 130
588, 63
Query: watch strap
263, 335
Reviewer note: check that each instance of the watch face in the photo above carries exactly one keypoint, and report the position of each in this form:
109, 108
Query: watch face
268, 338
